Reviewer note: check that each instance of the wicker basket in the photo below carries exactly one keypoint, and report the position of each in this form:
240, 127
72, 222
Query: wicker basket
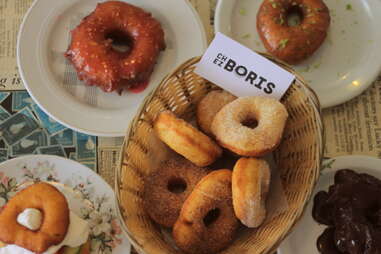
298, 158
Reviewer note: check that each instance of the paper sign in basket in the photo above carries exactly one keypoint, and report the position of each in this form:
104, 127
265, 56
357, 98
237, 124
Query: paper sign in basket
241, 71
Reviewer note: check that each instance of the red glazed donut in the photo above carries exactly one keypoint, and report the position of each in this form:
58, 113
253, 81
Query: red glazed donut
92, 54
292, 44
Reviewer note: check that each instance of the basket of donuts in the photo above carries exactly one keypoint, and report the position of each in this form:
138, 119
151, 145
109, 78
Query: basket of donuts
202, 171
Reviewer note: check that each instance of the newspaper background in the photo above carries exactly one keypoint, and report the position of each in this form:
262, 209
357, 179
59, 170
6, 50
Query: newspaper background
11, 14
355, 126
351, 128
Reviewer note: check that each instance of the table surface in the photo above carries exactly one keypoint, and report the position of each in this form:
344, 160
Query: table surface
351, 128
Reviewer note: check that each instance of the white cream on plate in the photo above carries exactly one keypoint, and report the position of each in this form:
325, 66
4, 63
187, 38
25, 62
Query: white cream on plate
77, 234
30, 218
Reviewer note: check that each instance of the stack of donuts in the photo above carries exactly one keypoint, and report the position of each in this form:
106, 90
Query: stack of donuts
205, 207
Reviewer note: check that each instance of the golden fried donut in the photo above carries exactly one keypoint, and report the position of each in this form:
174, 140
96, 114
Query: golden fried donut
207, 222
292, 44
98, 63
209, 107
186, 140
166, 189
250, 185
54, 207
230, 130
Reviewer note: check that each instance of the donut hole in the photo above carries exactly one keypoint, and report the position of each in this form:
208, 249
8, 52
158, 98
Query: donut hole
120, 41
177, 185
211, 217
294, 16
250, 123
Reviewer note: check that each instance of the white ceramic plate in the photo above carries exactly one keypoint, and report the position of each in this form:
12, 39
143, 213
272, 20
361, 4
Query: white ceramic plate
44, 37
98, 198
303, 238
347, 62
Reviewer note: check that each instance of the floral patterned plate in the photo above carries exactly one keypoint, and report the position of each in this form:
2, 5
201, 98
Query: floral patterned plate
98, 206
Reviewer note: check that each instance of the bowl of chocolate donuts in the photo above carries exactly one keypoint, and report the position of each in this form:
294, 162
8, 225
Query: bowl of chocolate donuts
202, 171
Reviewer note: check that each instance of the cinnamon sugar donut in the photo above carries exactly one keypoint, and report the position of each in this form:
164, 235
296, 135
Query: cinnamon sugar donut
207, 223
230, 131
250, 185
186, 140
209, 107
166, 189
292, 44
98, 63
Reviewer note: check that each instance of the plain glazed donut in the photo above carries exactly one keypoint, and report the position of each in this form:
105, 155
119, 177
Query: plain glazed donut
292, 44
209, 106
207, 223
94, 58
54, 207
166, 189
250, 185
186, 140
231, 133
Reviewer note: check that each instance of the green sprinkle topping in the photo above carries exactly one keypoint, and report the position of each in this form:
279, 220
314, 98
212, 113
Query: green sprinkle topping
246, 36
317, 65
348, 7
242, 11
319, 9
274, 5
283, 43
279, 20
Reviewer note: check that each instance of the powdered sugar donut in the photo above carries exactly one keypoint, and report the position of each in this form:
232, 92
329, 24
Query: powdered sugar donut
232, 129
209, 106
250, 186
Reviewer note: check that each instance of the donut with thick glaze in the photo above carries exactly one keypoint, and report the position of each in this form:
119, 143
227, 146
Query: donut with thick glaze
98, 63
292, 44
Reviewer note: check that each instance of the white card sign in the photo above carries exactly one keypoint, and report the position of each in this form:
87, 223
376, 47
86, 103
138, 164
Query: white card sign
241, 71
